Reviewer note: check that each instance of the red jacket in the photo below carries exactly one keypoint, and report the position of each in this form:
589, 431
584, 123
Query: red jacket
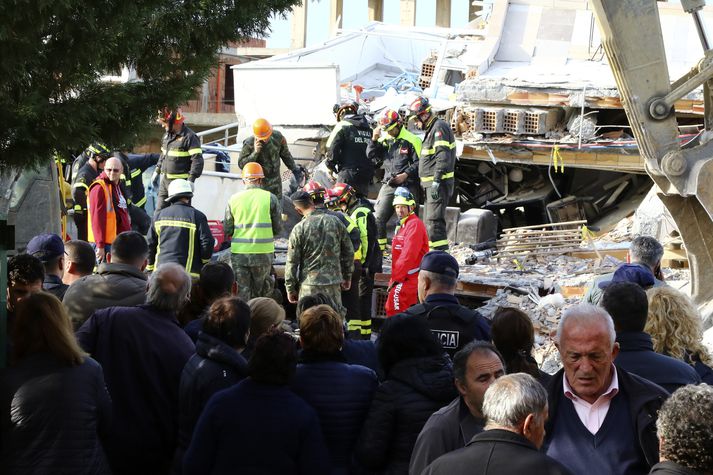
97, 211
409, 246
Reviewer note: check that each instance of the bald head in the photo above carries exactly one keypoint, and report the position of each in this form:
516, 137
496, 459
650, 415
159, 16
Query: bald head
113, 169
169, 287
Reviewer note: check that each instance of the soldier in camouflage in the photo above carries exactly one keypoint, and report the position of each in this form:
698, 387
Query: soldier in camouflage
267, 147
320, 256
252, 220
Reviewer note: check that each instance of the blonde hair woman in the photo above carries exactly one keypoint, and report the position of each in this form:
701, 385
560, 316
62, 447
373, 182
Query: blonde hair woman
675, 326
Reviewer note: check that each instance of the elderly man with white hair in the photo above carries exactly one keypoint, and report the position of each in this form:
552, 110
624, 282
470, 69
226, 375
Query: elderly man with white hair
515, 407
602, 419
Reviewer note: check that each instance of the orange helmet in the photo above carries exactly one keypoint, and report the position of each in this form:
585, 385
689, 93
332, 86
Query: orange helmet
343, 192
262, 129
171, 117
252, 171
390, 119
315, 190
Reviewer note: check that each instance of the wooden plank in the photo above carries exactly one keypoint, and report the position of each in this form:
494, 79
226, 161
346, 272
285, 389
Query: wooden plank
617, 253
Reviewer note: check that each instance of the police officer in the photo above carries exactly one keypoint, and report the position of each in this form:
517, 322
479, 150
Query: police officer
252, 220
346, 154
398, 151
85, 169
180, 233
181, 154
453, 324
267, 147
435, 168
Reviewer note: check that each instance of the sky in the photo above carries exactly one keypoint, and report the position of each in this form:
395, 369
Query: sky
356, 16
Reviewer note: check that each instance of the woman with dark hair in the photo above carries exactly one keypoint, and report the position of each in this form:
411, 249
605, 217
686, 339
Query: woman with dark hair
514, 336
217, 364
259, 426
418, 382
55, 404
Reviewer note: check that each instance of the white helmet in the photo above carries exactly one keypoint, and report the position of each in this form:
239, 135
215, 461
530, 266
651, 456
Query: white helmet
179, 188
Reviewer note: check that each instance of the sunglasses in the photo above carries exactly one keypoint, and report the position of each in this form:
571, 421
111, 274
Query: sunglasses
112, 169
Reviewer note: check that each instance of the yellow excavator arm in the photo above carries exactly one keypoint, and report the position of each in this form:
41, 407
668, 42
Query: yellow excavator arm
633, 42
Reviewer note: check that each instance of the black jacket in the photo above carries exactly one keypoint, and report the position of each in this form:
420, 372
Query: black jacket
496, 452
214, 367
54, 285
438, 153
181, 155
414, 389
373, 257
138, 163
398, 155
671, 468
347, 145
645, 400
52, 417
180, 234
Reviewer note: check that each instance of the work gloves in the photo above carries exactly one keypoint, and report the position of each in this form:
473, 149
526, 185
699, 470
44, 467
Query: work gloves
435, 187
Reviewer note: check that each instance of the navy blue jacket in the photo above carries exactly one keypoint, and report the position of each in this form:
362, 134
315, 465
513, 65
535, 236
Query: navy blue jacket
360, 352
257, 429
637, 355
341, 394
143, 352
214, 367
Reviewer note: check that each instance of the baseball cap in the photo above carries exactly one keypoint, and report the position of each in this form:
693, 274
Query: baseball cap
46, 247
440, 262
634, 273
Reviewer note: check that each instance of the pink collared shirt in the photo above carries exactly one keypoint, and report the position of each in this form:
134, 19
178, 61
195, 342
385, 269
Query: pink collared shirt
592, 415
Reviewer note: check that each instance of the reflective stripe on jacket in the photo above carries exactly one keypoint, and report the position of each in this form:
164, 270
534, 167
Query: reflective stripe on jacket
252, 232
181, 155
438, 153
358, 218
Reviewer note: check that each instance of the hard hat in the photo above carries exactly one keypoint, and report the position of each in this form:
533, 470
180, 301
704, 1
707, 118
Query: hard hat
315, 190
98, 149
174, 116
262, 129
331, 199
179, 188
389, 119
402, 196
420, 106
343, 192
347, 107
252, 171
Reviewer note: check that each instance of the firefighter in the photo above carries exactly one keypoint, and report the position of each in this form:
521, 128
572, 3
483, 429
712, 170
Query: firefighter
398, 151
181, 155
267, 147
180, 233
319, 195
107, 210
252, 220
436, 169
346, 154
85, 169
367, 261
137, 164
408, 247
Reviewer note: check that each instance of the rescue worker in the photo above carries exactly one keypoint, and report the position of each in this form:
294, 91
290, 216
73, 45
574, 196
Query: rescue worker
181, 154
398, 151
267, 147
367, 262
252, 220
436, 170
137, 164
180, 233
408, 247
107, 210
320, 257
346, 154
318, 193
85, 169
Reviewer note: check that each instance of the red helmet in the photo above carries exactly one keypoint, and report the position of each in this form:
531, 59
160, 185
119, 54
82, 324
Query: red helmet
331, 199
343, 192
420, 106
315, 190
389, 119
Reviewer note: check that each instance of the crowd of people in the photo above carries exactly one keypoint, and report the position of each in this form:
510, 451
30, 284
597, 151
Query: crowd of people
139, 354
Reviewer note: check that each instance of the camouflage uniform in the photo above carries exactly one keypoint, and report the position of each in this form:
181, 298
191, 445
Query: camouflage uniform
269, 157
320, 257
252, 271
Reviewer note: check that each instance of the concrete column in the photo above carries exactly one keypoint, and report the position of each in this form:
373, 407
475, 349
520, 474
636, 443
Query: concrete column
443, 13
376, 10
408, 12
336, 14
299, 26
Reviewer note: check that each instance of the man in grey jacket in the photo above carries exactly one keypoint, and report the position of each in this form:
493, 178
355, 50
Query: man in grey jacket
120, 281
475, 367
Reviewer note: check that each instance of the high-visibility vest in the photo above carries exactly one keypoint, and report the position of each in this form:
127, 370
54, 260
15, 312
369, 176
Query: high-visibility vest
252, 232
110, 233
358, 216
